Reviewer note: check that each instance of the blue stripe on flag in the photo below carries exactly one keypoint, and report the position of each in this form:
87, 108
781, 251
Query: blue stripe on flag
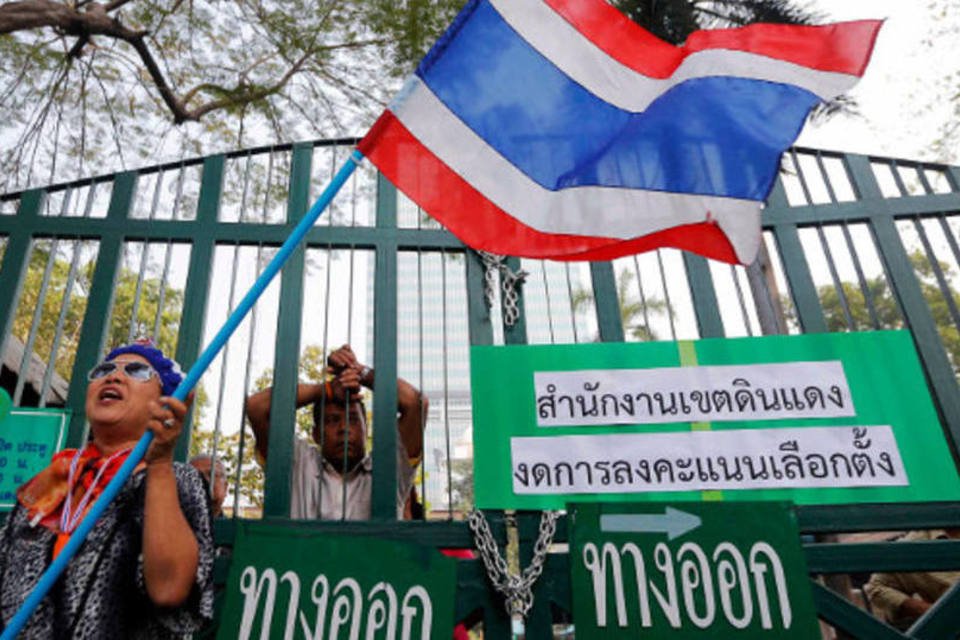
714, 136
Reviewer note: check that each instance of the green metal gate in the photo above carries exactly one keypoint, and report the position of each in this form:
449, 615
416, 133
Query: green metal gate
852, 243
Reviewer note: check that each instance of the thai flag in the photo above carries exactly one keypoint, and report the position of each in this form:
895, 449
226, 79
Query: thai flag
560, 129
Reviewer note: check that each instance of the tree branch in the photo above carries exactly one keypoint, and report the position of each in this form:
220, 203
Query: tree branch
85, 21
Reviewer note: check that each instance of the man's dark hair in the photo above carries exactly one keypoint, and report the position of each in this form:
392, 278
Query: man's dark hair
320, 406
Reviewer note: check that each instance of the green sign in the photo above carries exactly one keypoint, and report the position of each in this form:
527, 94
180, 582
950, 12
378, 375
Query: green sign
290, 581
5, 403
28, 438
689, 571
810, 419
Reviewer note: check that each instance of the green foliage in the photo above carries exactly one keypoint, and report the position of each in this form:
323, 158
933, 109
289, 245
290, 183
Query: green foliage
885, 306
238, 72
635, 312
168, 323
461, 484
675, 20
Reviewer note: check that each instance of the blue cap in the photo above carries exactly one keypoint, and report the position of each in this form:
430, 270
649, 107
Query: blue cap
168, 370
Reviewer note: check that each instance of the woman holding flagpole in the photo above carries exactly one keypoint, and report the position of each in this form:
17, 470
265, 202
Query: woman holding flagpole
145, 569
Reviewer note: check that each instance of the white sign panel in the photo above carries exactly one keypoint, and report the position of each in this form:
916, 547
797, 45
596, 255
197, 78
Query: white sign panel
693, 394
698, 460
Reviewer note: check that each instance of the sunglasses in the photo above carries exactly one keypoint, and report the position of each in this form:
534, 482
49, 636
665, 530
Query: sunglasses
135, 370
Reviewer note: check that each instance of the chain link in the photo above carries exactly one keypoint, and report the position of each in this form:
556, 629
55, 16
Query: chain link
517, 590
510, 281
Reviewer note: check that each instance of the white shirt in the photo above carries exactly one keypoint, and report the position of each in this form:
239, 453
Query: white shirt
316, 490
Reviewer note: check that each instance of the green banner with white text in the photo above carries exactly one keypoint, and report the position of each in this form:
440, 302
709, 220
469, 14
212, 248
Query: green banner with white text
687, 571
293, 581
812, 419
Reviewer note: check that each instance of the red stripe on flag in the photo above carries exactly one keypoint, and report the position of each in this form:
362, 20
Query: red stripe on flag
843, 47
480, 224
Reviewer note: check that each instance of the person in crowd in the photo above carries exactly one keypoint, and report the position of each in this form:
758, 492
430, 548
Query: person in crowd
145, 569
901, 598
217, 485
332, 477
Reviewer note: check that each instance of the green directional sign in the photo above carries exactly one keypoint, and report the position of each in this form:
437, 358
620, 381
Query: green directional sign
293, 581
689, 571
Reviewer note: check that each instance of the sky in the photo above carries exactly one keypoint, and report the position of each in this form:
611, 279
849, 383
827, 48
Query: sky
900, 112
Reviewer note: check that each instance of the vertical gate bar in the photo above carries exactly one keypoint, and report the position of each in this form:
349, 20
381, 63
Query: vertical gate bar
224, 361
162, 293
766, 298
907, 290
384, 500
742, 300
446, 379
951, 238
23, 371
861, 278
835, 278
99, 302
643, 298
88, 206
800, 177
16, 258
938, 272
138, 290
283, 403
155, 201
922, 176
607, 305
546, 293
666, 296
64, 304
61, 320
826, 178
704, 296
573, 310
193, 317
346, 409
953, 178
251, 337
797, 270
326, 344
167, 259
420, 381
479, 324
517, 334
795, 267
897, 178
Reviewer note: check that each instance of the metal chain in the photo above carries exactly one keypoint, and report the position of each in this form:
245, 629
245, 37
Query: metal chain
517, 590
509, 279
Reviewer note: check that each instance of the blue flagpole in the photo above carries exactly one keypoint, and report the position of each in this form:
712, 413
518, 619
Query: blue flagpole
49, 577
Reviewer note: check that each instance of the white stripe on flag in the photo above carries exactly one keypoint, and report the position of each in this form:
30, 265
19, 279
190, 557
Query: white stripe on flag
608, 79
585, 211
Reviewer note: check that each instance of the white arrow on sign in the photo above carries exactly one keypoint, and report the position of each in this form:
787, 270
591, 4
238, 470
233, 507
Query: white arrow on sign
672, 522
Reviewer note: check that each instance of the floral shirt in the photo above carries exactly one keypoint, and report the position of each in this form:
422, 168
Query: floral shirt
102, 593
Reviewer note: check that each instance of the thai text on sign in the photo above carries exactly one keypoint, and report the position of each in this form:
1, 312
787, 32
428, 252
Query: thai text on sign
731, 459
293, 581
735, 392
685, 571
